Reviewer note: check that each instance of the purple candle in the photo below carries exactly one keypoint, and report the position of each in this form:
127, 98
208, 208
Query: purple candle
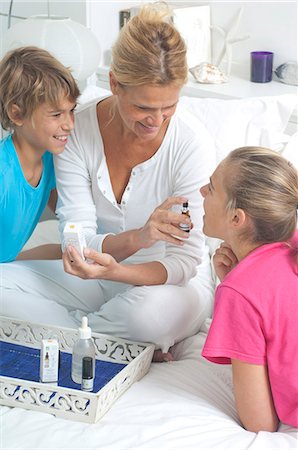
261, 67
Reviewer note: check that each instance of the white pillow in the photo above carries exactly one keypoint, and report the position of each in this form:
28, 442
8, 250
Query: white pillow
291, 150
232, 120
234, 123
240, 122
91, 93
250, 121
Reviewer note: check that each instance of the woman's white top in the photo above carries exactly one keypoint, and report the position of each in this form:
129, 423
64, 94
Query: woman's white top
182, 164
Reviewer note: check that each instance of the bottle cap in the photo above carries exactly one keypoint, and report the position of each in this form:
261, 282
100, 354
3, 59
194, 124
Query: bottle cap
87, 371
84, 330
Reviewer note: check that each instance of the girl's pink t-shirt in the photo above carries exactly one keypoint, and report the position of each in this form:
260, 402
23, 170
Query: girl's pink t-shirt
256, 321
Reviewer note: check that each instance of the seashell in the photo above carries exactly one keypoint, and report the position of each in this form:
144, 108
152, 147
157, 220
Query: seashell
287, 73
208, 73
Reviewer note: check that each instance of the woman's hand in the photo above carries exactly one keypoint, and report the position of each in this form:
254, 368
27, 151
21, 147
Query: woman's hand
99, 265
103, 266
224, 260
163, 225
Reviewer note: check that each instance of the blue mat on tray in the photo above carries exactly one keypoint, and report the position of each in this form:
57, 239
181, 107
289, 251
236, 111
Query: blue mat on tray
18, 361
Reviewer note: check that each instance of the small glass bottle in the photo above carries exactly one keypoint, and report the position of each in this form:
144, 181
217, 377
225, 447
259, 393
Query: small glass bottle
83, 347
185, 226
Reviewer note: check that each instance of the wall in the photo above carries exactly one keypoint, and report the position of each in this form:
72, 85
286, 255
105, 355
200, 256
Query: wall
271, 25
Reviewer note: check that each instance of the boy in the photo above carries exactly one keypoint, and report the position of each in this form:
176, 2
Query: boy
37, 101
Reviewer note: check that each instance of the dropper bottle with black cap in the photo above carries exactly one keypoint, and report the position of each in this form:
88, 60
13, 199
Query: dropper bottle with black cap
87, 374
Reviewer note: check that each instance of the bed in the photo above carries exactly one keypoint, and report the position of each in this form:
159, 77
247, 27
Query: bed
187, 403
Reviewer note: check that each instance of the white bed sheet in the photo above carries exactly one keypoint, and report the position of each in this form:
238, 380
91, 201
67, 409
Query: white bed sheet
185, 404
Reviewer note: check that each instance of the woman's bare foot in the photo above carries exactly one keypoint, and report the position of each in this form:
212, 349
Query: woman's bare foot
158, 356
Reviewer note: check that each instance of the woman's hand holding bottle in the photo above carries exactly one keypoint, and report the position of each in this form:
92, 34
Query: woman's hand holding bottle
163, 225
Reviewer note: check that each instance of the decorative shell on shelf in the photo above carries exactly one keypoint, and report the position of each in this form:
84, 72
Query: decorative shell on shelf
287, 73
208, 73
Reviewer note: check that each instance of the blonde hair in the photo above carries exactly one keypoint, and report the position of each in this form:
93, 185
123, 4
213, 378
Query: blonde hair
149, 49
30, 76
265, 185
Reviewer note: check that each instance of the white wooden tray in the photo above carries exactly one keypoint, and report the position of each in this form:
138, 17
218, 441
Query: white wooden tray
65, 402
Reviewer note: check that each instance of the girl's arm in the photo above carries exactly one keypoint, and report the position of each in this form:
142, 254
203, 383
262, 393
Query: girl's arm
253, 397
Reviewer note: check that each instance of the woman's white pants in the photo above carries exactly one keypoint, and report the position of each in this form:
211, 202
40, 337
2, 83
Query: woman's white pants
41, 292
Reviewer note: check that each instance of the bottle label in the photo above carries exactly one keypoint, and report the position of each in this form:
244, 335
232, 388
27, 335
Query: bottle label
87, 384
184, 227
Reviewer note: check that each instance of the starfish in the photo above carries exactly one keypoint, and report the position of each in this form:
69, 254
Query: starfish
229, 40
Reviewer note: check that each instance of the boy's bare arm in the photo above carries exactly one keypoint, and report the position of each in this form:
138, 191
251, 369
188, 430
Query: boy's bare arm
53, 200
47, 251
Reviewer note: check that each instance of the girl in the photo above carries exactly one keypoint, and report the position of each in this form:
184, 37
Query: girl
251, 203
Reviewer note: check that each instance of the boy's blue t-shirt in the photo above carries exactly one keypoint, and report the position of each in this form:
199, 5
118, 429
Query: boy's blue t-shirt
21, 204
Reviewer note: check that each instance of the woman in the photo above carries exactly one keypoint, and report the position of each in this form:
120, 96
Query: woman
131, 159
251, 204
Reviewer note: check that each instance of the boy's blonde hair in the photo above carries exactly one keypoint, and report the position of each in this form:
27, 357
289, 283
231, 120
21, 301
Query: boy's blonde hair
30, 76
149, 50
265, 185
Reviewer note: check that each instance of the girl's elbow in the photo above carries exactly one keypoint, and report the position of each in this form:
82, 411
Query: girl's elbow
256, 429
255, 426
